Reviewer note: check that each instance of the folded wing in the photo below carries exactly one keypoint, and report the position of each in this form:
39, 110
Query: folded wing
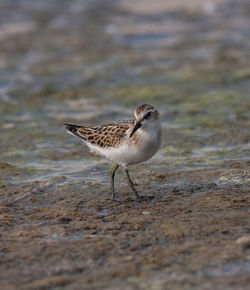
107, 135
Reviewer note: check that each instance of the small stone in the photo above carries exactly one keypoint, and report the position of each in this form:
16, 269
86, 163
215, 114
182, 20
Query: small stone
146, 212
244, 242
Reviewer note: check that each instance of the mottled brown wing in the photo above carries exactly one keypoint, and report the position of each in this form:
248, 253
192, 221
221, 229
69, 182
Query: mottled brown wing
107, 135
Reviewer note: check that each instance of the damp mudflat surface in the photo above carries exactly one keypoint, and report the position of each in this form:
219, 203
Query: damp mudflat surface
89, 62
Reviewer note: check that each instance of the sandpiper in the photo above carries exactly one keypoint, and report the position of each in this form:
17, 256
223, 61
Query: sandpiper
123, 142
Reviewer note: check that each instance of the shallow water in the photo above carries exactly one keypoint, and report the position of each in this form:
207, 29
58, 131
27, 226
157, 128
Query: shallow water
89, 62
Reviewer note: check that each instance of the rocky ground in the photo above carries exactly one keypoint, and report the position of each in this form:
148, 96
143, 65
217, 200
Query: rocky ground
94, 61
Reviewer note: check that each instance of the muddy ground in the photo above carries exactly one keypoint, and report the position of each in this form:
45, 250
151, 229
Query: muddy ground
94, 61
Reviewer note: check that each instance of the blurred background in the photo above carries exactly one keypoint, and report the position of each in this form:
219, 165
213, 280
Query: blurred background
94, 61
89, 62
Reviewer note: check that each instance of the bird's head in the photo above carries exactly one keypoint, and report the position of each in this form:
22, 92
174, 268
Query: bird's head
145, 115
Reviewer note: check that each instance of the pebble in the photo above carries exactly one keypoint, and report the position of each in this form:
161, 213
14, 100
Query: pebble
244, 242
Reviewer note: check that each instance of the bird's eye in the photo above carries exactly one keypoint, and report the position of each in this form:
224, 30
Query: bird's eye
147, 116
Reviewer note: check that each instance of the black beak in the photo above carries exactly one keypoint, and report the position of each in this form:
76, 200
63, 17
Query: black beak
136, 127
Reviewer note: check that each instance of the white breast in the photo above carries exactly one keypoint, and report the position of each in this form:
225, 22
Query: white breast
127, 153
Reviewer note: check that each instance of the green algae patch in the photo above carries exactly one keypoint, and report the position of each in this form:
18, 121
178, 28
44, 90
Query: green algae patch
139, 94
216, 111
242, 74
8, 171
49, 93
56, 155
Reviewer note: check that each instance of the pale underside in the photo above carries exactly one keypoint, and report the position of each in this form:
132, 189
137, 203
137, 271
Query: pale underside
113, 141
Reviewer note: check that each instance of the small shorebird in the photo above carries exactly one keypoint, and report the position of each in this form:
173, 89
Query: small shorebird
123, 142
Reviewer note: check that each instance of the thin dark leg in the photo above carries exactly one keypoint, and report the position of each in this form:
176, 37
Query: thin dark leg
131, 184
114, 167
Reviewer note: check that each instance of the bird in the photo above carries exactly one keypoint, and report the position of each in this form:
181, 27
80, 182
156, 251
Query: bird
123, 142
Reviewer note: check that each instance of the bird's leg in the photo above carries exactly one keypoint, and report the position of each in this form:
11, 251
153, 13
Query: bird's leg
131, 184
114, 167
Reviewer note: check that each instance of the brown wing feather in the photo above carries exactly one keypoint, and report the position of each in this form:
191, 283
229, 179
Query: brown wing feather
107, 135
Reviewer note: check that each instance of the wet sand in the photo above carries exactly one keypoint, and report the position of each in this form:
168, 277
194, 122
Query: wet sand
94, 61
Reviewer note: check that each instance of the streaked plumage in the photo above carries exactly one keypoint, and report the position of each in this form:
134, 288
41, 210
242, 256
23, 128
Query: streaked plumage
106, 135
124, 142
